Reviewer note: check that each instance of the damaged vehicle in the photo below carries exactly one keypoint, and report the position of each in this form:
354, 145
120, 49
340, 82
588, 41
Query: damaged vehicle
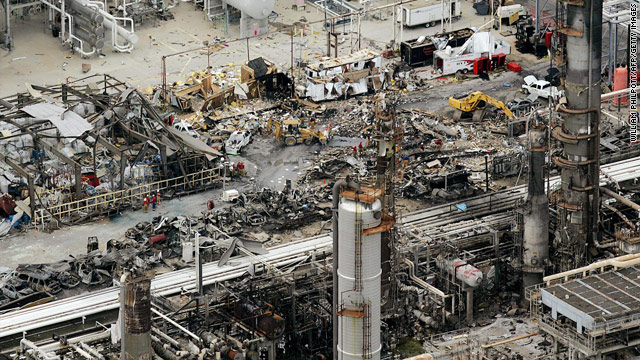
237, 141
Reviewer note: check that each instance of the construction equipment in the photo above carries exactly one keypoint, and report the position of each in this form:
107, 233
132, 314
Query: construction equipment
291, 133
474, 105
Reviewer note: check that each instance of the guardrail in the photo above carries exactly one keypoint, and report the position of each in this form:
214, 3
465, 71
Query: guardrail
120, 199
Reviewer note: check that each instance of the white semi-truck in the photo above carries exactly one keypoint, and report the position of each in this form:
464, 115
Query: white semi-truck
428, 12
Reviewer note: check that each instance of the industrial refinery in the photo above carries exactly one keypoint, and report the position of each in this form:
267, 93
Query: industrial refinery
319, 179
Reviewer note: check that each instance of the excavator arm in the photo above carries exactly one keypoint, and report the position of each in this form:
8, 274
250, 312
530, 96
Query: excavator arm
478, 99
500, 105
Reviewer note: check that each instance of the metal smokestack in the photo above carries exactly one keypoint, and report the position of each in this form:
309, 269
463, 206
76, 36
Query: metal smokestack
578, 200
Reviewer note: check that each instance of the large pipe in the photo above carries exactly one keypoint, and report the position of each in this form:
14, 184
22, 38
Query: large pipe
27, 344
91, 39
110, 22
621, 198
92, 351
619, 262
423, 283
89, 25
90, 12
257, 9
335, 193
176, 325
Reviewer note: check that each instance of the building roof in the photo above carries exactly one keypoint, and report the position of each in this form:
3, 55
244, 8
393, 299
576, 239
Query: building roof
361, 55
596, 299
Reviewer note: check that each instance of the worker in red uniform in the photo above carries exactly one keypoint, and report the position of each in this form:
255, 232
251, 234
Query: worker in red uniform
438, 143
360, 149
158, 197
211, 205
145, 204
355, 151
153, 202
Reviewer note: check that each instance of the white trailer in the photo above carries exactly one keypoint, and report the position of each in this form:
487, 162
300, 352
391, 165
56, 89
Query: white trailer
429, 12
508, 14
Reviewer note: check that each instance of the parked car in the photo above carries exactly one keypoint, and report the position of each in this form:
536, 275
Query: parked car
541, 88
522, 105
185, 127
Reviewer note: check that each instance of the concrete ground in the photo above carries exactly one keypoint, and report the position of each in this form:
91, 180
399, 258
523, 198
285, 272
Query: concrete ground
39, 247
39, 58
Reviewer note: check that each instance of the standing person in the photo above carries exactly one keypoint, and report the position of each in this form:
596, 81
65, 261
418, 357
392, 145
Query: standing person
360, 148
421, 147
145, 203
153, 202
355, 151
438, 144
158, 197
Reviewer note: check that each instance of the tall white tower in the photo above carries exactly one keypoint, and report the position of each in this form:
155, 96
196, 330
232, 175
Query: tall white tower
360, 224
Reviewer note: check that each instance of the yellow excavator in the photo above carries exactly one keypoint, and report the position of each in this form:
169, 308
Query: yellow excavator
474, 106
290, 133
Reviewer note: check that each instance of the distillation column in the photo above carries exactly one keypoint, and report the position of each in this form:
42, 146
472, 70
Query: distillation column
578, 199
359, 274
535, 249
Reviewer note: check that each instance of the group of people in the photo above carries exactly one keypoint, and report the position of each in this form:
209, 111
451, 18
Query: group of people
152, 198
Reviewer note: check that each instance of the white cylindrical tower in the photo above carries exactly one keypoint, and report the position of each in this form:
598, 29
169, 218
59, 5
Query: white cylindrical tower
359, 275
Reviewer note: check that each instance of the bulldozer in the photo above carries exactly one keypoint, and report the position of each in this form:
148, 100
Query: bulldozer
291, 133
474, 106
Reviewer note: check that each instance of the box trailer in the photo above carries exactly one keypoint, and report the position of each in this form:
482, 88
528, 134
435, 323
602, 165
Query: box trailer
481, 52
508, 15
419, 52
428, 12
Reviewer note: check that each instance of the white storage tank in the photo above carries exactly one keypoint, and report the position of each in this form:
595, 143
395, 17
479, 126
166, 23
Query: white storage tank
359, 325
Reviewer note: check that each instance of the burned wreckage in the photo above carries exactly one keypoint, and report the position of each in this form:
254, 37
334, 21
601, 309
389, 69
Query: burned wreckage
93, 147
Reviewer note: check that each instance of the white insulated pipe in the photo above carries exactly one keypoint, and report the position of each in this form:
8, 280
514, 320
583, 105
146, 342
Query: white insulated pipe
620, 198
27, 344
196, 337
110, 22
257, 9
619, 262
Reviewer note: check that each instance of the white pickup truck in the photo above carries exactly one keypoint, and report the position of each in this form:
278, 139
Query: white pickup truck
541, 88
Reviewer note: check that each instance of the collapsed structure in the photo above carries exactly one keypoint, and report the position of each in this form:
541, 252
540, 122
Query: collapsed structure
352, 218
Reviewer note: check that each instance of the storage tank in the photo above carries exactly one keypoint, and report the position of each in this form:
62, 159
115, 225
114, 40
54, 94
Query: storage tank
359, 274
468, 274
257, 9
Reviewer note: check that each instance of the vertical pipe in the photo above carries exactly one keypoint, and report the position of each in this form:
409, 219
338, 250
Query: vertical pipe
293, 83
248, 55
615, 46
486, 172
469, 306
199, 287
62, 20
537, 18
7, 14
610, 56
